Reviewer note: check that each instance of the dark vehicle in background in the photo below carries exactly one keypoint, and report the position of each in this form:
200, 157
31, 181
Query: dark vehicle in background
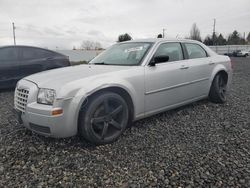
238, 53
17, 62
232, 54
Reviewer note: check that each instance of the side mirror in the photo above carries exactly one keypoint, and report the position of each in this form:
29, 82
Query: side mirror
159, 59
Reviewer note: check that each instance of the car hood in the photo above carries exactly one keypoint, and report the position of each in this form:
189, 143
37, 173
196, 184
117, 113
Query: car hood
56, 78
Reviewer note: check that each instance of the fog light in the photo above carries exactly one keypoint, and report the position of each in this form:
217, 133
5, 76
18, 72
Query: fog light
57, 111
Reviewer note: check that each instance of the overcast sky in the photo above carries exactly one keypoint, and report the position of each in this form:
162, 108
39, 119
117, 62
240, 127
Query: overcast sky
66, 23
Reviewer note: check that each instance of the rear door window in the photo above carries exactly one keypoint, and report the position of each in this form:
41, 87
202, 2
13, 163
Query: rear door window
195, 51
171, 49
34, 53
8, 54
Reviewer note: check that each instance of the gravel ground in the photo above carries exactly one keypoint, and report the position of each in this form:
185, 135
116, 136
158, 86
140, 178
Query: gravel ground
202, 144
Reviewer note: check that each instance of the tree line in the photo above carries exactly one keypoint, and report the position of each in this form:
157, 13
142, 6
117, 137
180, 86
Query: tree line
234, 38
90, 45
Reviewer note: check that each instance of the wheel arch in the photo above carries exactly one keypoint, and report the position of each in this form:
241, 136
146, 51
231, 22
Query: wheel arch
223, 73
116, 89
220, 70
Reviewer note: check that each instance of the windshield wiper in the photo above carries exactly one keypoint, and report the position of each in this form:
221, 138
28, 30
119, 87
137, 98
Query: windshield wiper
100, 63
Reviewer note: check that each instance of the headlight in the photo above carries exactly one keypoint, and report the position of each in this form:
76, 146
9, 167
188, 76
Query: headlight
46, 96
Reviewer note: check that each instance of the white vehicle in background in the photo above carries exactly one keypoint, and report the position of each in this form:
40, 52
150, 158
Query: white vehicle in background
127, 82
243, 53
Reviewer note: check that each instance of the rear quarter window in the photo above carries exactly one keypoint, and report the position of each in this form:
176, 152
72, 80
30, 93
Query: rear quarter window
48, 53
195, 51
29, 53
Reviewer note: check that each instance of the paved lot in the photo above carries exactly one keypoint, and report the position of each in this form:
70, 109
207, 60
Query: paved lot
197, 145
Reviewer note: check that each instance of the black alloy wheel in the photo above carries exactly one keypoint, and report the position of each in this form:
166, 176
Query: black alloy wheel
218, 90
222, 88
105, 118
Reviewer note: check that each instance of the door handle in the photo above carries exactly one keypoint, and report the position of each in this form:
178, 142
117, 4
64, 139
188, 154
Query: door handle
184, 67
211, 63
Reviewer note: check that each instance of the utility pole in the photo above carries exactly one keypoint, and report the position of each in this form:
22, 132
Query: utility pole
14, 35
163, 33
214, 31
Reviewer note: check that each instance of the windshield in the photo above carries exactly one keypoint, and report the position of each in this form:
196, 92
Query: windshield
130, 53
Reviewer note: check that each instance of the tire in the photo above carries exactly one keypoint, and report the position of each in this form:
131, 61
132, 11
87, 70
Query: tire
104, 118
218, 89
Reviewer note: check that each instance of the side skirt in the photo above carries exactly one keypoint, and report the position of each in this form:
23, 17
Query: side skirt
151, 113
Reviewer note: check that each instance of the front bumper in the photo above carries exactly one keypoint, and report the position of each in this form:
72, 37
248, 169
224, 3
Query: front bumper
52, 126
39, 118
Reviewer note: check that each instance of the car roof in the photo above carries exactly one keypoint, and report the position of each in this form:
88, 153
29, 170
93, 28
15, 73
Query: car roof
154, 40
23, 46
160, 40
32, 47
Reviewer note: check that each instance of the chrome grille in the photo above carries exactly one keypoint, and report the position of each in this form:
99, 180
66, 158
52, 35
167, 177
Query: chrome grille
21, 97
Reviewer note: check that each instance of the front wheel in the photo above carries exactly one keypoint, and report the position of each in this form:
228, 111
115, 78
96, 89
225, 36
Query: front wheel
218, 89
104, 118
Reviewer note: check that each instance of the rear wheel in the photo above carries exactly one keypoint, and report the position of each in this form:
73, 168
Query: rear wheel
218, 89
104, 119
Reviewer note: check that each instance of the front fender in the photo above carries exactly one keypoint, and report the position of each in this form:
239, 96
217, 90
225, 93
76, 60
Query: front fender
95, 86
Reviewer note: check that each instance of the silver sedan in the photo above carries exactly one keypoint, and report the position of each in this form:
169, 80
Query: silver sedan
127, 82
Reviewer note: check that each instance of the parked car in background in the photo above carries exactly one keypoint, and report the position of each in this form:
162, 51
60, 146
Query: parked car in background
232, 54
242, 53
17, 62
238, 53
129, 81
